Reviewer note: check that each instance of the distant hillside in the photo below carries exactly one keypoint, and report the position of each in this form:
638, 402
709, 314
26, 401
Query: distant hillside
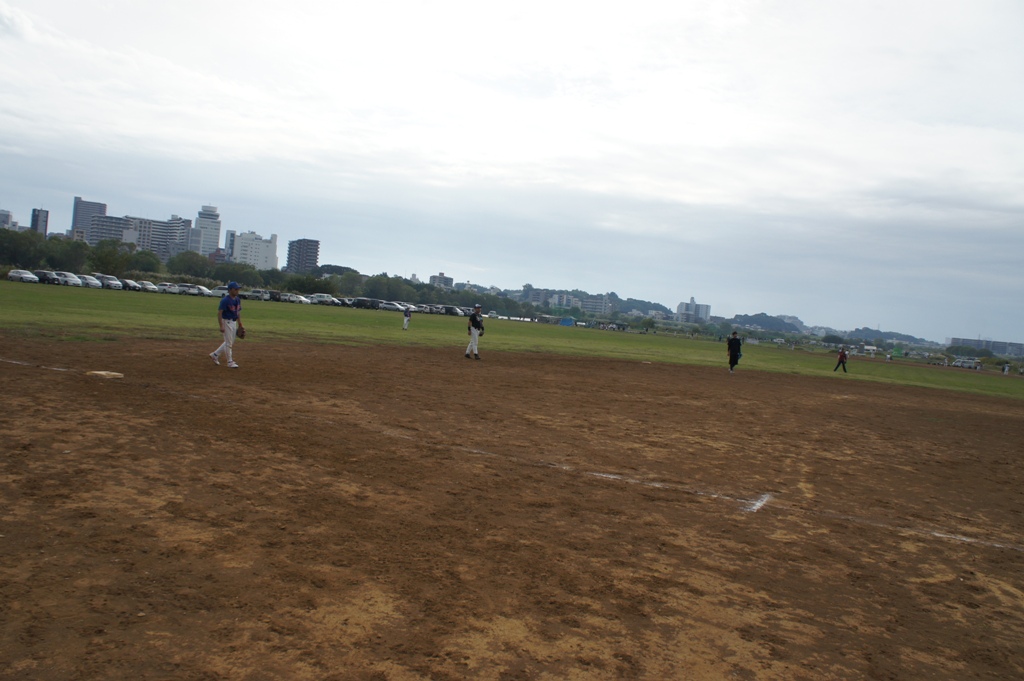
764, 321
871, 334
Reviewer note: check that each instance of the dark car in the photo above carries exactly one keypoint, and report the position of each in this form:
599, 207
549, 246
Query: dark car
47, 277
130, 285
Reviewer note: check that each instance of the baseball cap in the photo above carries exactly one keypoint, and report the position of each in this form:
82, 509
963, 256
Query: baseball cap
234, 284
476, 306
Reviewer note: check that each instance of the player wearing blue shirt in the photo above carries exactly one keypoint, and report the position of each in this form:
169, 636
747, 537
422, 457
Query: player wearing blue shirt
229, 315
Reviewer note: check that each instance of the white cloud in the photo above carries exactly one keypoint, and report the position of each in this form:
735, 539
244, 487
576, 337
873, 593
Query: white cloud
727, 137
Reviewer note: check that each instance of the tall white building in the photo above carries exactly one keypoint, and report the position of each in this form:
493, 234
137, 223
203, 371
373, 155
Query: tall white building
693, 313
252, 249
208, 224
163, 237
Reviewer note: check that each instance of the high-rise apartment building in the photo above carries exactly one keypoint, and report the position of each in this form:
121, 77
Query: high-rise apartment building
83, 212
40, 220
163, 237
692, 312
6, 219
441, 281
208, 224
303, 256
103, 227
252, 249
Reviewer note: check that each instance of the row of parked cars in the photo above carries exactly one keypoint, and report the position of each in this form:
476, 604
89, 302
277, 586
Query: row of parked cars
98, 280
364, 303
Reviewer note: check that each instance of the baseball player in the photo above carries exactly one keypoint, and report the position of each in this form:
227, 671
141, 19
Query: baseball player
475, 329
229, 315
407, 313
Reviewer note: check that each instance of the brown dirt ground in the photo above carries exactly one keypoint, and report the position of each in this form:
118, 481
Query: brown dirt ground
332, 512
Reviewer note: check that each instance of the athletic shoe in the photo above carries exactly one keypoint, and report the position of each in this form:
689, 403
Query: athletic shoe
232, 365
467, 356
216, 360
478, 356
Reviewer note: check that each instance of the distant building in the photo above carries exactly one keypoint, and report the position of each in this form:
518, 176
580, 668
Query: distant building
441, 281
303, 256
596, 305
6, 220
564, 300
1003, 348
538, 296
207, 239
103, 227
40, 220
166, 238
693, 313
252, 249
82, 214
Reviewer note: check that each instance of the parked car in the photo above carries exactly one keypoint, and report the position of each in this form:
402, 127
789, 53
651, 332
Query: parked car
393, 307
321, 298
68, 279
90, 281
22, 275
301, 299
256, 294
130, 285
187, 289
148, 287
203, 291
46, 277
109, 281
167, 287
220, 291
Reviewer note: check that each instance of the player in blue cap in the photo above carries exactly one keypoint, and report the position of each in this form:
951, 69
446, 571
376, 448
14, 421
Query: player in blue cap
229, 315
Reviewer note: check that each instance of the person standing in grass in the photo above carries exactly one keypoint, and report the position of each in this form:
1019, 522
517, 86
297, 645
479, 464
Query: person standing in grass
734, 346
842, 359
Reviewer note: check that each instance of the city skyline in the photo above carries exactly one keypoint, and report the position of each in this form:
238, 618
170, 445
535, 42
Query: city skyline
854, 165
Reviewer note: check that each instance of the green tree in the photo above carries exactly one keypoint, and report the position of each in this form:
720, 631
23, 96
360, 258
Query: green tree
190, 264
67, 255
244, 274
274, 278
22, 249
376, 286
350, 284
832, 339
145, 261
111, 256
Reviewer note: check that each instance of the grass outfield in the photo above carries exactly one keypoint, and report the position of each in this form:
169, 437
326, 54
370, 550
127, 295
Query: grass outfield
86, 315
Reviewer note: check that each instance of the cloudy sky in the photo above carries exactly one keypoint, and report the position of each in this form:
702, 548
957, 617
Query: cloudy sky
852, 163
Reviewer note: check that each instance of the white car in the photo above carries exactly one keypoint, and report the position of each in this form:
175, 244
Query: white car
109, 281
148, 287
167, 287
90, 281
203, 291
296, 298
68, 279
395, 307
22, 275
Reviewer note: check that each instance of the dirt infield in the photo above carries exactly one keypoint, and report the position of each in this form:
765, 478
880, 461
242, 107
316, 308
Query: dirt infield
399, 513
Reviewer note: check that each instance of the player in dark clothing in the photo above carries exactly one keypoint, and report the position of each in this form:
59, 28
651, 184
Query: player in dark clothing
842, 360
475, 329
734, 345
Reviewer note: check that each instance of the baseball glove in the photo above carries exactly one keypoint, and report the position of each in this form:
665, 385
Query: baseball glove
240, 334
481, 332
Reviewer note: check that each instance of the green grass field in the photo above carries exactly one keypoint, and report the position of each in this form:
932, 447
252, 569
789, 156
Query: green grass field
91, 315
